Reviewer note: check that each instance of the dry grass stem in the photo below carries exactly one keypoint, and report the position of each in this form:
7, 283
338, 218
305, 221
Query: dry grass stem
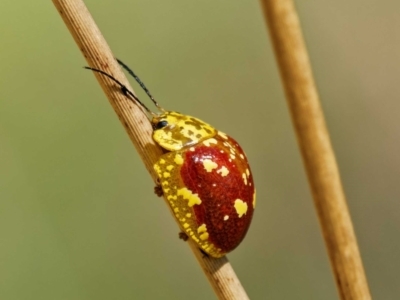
318, 156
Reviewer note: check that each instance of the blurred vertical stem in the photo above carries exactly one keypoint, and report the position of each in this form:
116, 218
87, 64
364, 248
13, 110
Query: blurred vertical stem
318, 156
98, 55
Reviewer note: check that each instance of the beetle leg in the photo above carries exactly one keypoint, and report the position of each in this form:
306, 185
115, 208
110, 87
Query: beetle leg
183, 236
158, 189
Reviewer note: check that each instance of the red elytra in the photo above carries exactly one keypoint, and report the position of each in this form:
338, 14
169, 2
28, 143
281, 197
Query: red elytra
226, 227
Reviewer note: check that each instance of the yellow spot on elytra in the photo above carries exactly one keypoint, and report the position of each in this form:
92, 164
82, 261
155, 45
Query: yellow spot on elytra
204, 236
166, 190
186, 225
232, 156
191, 148
166, 175
226, 217
170, 167
202, 228
209, 165
157, 169
244, 178
241, 156
223, 171
162, 161
178, 159
209, 142
188, 215
165, 183
254, 199
188, 195
247, 172
170, 197
223, 135
176, 209
241, 207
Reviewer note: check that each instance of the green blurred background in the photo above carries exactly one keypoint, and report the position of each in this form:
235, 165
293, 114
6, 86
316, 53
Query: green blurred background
78, 217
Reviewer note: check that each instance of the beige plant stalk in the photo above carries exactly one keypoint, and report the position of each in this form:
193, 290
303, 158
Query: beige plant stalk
316, 149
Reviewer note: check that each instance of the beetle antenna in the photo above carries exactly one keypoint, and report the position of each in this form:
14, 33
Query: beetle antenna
129, 70
124, 89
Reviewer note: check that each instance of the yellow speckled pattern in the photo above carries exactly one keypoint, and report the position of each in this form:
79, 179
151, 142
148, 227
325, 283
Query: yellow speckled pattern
182, 201
181, 131
209, 142
193, 199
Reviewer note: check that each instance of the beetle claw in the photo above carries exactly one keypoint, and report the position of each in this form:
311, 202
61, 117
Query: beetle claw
204, 253
158, 190
183, 236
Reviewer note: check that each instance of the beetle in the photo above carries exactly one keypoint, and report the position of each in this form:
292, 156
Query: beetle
204, 175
